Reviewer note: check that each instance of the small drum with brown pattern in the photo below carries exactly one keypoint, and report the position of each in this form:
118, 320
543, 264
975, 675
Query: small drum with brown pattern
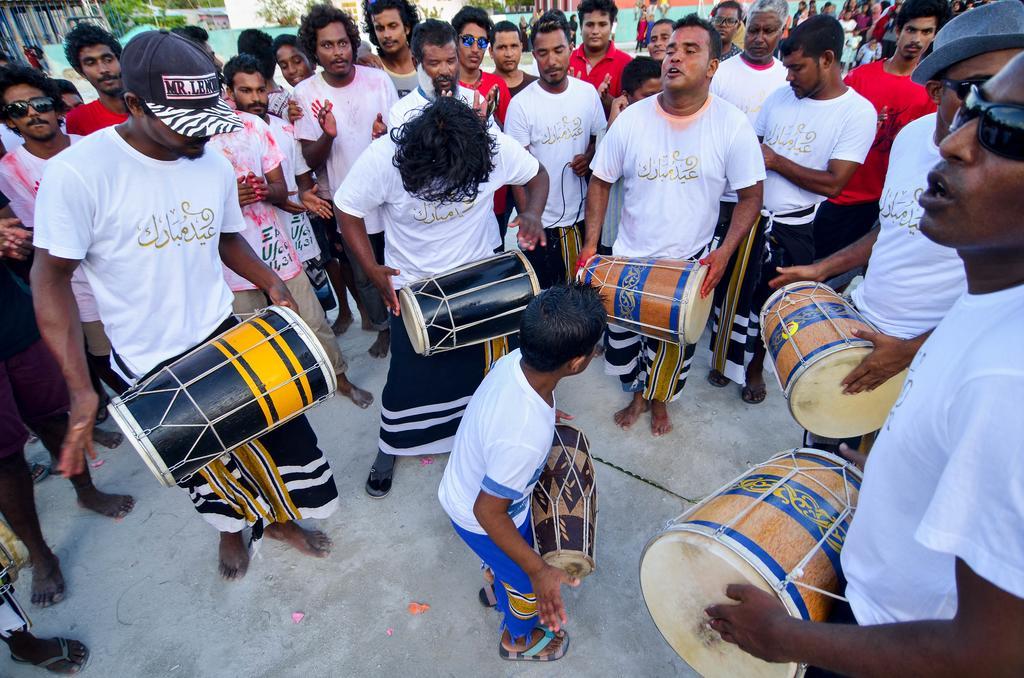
780, 526
565, 504
808, 332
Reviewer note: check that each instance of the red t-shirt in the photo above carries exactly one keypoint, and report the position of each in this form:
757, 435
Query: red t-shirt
612, 64
91, 117
484, 85
902, 101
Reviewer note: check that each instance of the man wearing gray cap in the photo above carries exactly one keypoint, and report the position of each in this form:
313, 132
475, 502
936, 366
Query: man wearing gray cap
934, 558
912, 282
150, 218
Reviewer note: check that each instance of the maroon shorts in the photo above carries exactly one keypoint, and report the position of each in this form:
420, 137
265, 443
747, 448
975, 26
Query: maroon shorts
32, 389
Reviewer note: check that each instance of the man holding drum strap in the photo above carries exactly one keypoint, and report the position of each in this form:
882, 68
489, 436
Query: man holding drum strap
935, 554
150, 219
432, 181
677, 154
815, 134
911, 282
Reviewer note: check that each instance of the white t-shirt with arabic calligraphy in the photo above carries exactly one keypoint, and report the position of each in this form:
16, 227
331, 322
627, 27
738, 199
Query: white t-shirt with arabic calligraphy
911, 281
746, 86
424, 239
300, 232
556, 128
675, 171
146, 232
811, 133
253, 149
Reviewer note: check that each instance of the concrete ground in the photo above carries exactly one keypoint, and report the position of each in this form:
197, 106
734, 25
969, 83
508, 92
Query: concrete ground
144, 592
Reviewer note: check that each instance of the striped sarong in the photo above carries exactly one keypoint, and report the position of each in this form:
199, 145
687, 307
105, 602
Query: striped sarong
556, 262
656, 368
425, 396
732, 351
280, 476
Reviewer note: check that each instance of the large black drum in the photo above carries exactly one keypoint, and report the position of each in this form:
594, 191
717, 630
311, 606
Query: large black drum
224, 393
468, 305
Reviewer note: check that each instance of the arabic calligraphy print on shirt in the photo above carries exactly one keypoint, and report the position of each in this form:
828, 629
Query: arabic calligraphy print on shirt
672, 166
178, 226
901, 207
797, 138
565, 129
430, 213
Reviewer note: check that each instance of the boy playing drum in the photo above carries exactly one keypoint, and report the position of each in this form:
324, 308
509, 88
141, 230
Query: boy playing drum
498, 456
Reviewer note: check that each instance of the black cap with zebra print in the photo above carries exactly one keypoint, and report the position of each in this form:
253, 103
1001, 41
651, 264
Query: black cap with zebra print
178, 82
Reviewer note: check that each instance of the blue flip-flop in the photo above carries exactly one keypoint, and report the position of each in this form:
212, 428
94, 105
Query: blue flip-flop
532, 654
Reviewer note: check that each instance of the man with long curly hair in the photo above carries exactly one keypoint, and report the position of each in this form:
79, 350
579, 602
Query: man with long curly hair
361, 97
431, 181
389, 24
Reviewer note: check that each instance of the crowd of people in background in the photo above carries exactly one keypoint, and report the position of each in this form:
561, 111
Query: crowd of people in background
796, 145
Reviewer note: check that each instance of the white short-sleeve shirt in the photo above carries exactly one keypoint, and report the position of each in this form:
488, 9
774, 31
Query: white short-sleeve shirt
424, 239
500, 450
811, 133
944, 479
293, 164
675, 171
556, 128
153, 263
911, 282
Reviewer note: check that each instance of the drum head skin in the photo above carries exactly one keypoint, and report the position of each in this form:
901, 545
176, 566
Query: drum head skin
415, 326
818, 403
681, 574
698, 309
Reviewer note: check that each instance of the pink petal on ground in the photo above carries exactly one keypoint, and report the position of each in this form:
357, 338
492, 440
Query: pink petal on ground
297, 617
96, 463
389, 631
426, 461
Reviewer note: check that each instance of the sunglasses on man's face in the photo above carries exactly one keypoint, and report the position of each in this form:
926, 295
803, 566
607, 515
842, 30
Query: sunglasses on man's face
725, 21
468, 40
1000, 126
16, 110
961, 88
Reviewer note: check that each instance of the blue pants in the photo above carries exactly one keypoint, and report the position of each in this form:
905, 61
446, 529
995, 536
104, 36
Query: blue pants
512, 587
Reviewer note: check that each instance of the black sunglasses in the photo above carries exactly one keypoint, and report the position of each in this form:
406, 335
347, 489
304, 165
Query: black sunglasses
16, 110
1000, 126
962, 87
468, 40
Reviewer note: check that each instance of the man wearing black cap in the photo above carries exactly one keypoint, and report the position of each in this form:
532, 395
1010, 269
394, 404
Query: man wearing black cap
911, 282
150, 218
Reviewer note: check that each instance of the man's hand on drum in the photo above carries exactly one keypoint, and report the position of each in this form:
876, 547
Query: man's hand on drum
889, 357
381, 276
78, 439
791, 274
586, 254
716, 261
15, 241
547, 586
280, 296
754, 624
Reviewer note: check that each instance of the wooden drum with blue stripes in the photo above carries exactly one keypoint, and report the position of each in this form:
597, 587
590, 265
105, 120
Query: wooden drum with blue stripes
224, 393
779, 526
808, 332
658, 298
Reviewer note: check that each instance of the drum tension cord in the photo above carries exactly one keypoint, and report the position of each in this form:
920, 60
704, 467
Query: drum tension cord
642, 479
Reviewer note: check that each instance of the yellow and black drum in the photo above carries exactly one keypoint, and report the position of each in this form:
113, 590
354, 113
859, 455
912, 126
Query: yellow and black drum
13, 557
224, 393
